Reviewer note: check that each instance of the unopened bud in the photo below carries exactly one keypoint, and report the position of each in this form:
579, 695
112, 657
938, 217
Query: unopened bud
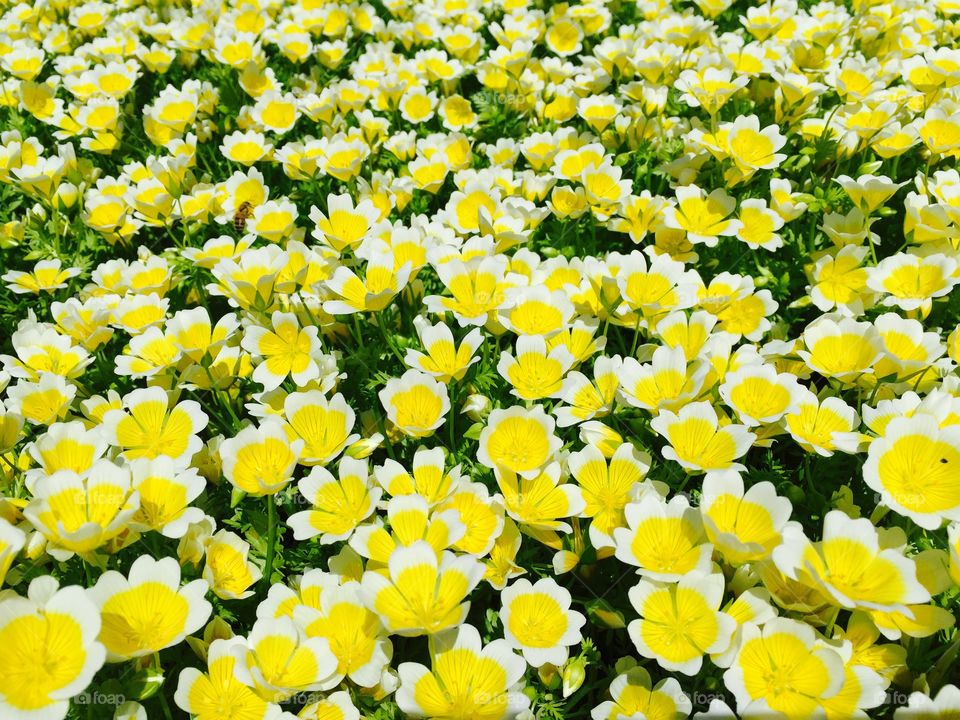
601, 436
476, 407
364, 447
549, 676
574, 673
66, 196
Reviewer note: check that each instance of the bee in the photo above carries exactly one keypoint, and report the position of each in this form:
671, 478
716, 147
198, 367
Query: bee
240, 216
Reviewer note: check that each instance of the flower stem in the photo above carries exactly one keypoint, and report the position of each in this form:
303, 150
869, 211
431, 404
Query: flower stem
164, 706
387, 338
271, 539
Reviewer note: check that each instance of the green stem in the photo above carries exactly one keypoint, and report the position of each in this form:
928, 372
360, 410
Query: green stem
387, 337
873, 251
164, 705
636, 336
451, 421
432, 645
828, 632
271, 539
356, 327
386, 438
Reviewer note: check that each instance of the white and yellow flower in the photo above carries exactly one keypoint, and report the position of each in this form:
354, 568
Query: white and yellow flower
588, 398
324, 425
278, 660
911, 282
680, 622
783, 668
704, 217
382, 281
534, 373
841, 348
443, 357
744, 526
518, 440
357, 638
428, 477
537, 621
697, 440
283, 350
227, 568
335, 706
82, 513
339, 504
65, 446
608, 487
166, 490
633, 693
260, 460
481, 513
423, 594
540, 504
206, 695
415, 403
667, 382
51, 649
148, 610
664, 540
467, 680
823, 426
913, 466
851, 566
12, 540
759, 394
43, 402
148, 427
410, 520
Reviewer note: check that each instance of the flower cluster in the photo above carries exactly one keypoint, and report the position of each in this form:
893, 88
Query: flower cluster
479, 360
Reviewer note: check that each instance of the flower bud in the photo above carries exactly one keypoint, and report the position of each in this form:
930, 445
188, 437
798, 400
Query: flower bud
476, 407
11, 234
193, 544
11, 425
130, 710
602, 437
574, 673
66, 195
364, 447
549, 676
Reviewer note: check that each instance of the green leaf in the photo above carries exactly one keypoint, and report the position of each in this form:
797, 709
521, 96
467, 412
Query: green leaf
473, 432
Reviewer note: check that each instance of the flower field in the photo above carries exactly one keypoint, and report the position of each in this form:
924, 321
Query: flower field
479, 360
